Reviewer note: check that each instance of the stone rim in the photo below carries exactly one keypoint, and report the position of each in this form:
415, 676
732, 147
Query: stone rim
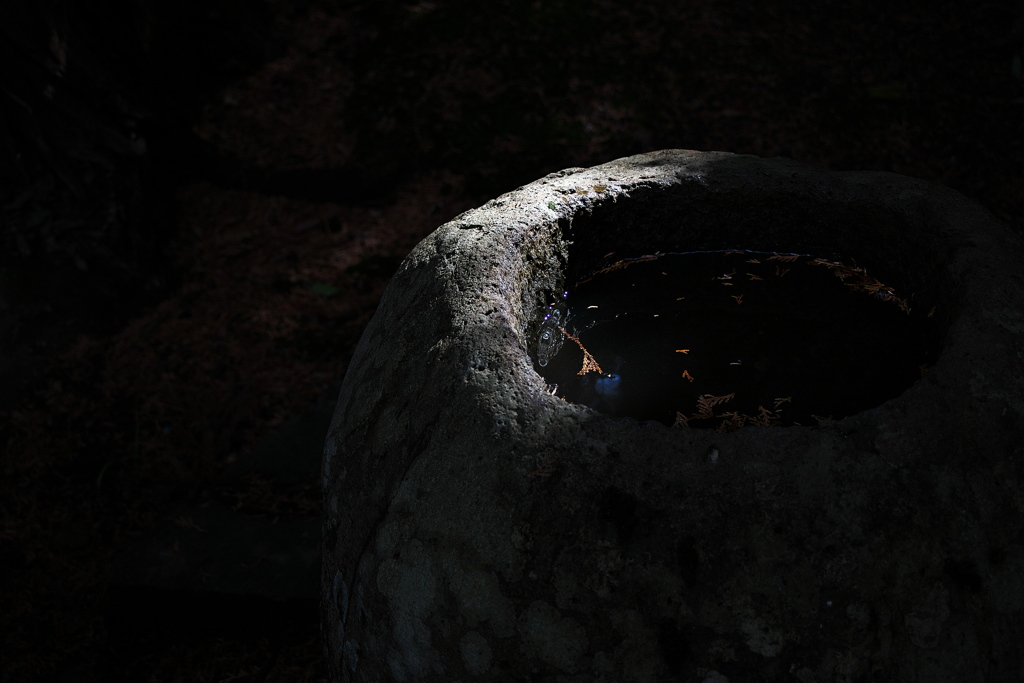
974, 295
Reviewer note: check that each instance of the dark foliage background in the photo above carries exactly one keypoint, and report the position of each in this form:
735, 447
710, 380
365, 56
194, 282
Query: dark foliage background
201, 203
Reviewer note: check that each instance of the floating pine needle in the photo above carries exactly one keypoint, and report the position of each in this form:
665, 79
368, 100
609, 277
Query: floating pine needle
589, 363
765, 417
731, 422
617, 265
686, 375
707, 402
862, 282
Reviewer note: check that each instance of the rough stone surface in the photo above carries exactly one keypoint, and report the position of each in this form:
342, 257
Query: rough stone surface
888, 545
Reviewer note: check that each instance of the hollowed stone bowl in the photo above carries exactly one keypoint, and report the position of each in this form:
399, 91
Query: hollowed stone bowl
479, 528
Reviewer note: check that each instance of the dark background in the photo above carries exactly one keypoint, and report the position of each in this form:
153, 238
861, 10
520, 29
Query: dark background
201, 203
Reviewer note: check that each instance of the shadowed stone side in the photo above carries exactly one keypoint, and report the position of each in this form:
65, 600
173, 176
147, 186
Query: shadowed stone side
888, 545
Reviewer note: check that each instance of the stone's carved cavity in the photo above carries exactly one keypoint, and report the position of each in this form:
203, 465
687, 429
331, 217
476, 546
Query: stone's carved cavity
766, 329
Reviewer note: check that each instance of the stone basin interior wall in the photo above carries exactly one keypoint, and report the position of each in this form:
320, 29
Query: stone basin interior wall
697, 216
479, 529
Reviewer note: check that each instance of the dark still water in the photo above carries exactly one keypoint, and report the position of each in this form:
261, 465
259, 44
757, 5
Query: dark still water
726, 339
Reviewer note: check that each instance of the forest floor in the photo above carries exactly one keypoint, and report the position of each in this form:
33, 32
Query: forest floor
449, 103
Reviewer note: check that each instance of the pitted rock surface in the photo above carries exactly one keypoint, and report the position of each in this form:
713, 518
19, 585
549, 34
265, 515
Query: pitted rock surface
479, 528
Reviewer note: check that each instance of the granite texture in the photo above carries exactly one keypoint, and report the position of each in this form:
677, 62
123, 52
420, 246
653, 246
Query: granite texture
479, 528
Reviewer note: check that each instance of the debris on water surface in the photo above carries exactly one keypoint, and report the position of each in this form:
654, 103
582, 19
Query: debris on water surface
680, 332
